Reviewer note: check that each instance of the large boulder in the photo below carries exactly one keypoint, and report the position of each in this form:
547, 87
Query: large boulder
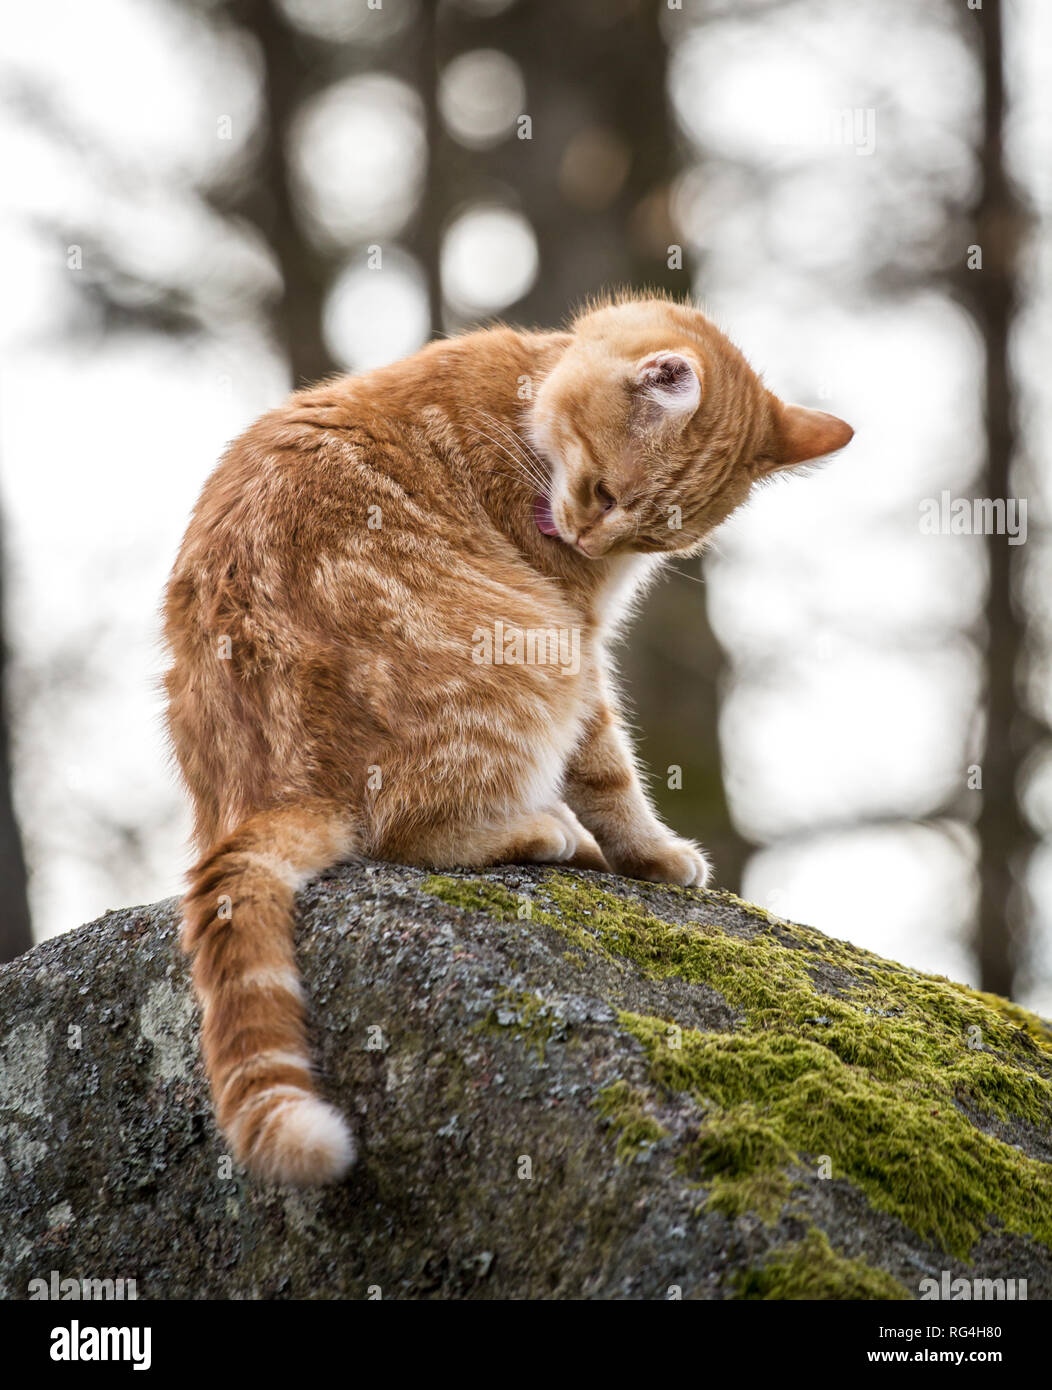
564, 1085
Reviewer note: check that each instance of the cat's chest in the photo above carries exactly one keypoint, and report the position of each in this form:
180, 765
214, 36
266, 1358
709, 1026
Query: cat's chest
623, 583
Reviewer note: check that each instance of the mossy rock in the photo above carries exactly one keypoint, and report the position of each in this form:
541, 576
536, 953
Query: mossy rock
564, 1086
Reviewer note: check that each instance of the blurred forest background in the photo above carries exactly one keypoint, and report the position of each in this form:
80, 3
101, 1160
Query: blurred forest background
209, 201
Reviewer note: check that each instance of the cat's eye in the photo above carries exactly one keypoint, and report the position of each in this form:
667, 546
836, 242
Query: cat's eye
605, 497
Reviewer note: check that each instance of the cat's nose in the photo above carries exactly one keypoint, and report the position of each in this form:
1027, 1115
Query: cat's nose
591, 531
590, 539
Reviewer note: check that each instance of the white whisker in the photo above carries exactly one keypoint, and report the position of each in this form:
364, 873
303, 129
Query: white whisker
509, 433
518, 471
531, 464
523, 470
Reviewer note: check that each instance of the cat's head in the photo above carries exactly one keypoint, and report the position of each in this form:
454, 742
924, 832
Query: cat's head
655, 428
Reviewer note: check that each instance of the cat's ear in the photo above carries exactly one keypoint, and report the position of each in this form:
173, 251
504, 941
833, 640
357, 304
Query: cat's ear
670, 382
802, 434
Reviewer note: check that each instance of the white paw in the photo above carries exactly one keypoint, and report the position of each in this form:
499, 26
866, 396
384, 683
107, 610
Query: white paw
564, 841
584, 851
556, 836
669, 861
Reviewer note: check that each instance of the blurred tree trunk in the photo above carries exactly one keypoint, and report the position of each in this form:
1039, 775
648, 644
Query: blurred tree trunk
992, 296
421, 67
594, 181
291, 73
16, 934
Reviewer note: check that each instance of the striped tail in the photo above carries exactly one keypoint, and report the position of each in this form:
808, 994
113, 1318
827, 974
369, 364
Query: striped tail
238, 926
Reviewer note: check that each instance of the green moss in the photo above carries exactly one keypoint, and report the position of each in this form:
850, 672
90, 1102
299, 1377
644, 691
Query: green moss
523, 1015
474, 895
811, 1269
625, 1108
743, 1160
1037, 1028
878, 1068
905, 1144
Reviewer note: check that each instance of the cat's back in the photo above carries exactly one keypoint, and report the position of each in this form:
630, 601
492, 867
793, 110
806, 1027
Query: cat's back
344, 510
308, 470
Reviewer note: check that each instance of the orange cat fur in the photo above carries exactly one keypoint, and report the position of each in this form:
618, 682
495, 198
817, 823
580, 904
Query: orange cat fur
350, 621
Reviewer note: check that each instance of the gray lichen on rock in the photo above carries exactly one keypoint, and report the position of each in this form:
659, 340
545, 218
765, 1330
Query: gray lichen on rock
563, 1085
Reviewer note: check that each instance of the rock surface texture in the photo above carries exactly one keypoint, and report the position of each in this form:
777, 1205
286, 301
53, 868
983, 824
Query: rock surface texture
563, 1085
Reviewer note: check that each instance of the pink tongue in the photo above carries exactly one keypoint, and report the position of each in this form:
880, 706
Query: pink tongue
542, 515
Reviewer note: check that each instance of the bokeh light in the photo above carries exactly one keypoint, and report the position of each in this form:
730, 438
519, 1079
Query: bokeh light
489, 260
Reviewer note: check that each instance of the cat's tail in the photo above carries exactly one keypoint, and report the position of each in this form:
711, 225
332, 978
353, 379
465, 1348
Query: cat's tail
238, 927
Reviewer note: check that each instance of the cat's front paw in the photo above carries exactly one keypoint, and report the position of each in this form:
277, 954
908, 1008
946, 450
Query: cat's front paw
667, 861
554, 836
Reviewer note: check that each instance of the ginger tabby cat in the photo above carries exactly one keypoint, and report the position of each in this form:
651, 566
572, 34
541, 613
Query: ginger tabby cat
389, 626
